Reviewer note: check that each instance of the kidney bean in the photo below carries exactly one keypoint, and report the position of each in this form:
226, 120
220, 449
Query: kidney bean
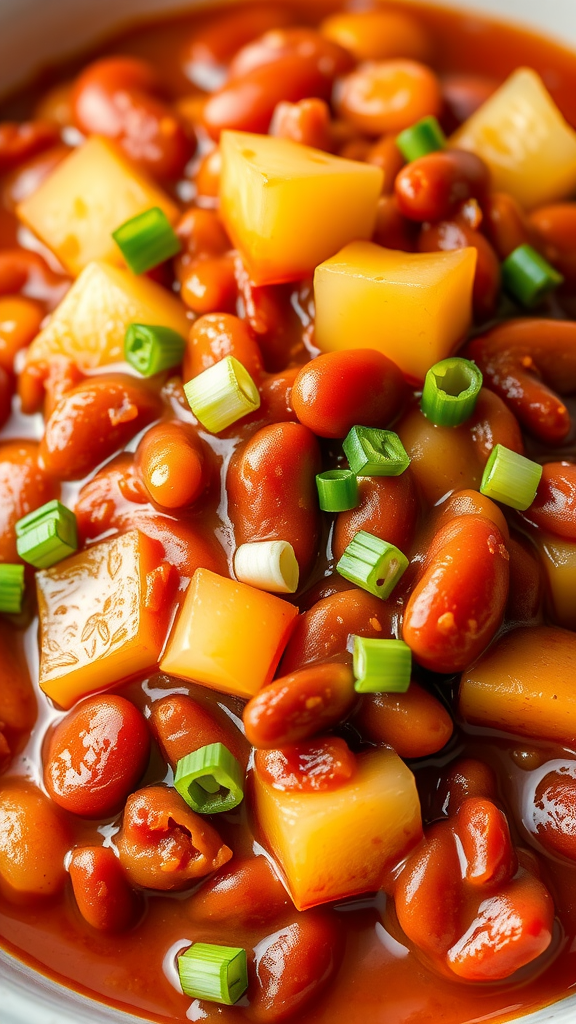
447, 236
294, 965
323, 631
307, 122
339, 389
182, 725
58, 376
492, 423
248, 894
118, 97
311, 766
201, 232
505, 223
554, 811
102, 893
55, 105
20, 321
388, 95
486, 843
92, 421
207, 176
208, 284
466, 778
171, 462
433, 187
388, 508
355, 147
34, 840
434, 867
6, 389
272, 489
20, 141
300, 705
276, 396
392, 229
163, 844
414, 723
217, 335
526, 361
95, 756
525, 596
27, 273
386, 155
472, 503
216, 42
458, 603
24, 486
554, 234
18, 706
378, 35
269, 312
271, 47
463, 95
554, 508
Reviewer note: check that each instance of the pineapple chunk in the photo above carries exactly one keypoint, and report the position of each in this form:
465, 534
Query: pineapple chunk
338, 843
528, 146
413, 307
90, 323
90, 194
287, 207
103, 616
228, 636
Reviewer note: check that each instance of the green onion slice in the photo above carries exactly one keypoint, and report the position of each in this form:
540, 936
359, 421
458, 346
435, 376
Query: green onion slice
47, 535
153, 349
210, 779
11, 588
337, 490
147, 240
381, 666
268, 565
222, 394
216, 973
373, 564
451, 389
510, 478
426, 136
373, 452
528, 277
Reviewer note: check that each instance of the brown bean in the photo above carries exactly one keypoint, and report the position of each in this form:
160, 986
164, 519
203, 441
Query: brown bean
217, 335
387, 508
447, 236
24, 486
433, 187
20, 141
385, 154
299, 705
331, 58
18, 706
463, 95
392, 229
505, 223
182, 725
34, 840
246, 894
102, 893
172, 463
415, 723
388, 95
466, 778
554, 234
307, 122
525, 597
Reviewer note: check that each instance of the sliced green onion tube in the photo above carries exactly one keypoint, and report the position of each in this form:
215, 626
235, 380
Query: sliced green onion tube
528, 277
153, 349
373, 452
47, 535
426, 136
373, 564
147, 240
381, 666
337, 490
11, 588
510, 478
269, 565
222, 394
216, 973
210, 779
451, 389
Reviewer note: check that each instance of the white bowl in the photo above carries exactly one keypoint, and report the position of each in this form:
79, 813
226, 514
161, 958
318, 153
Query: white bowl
31, 33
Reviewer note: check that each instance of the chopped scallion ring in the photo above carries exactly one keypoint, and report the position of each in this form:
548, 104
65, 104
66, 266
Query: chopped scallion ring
381, 666
153, 349
373, 564
47, 535
510, 478
426, 136
210, 779
216, 973
222, 394
269, 565
373, 452
528, 277
337, 490
11, 588
147, 240
451, 389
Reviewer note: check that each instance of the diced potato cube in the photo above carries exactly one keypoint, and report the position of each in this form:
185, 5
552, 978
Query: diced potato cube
90, 323
338, 843
529, 147
103, 616
413, 307
228, 636
288, 207
90, 194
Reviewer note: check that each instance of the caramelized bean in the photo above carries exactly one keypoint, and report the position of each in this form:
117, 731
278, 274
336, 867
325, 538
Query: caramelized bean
331, 59
299, 705
27, 273
171, 461
102, 893
307, 122
201, 232
466, 778
20, 321
55, 105
217, 335
472, 503
463, 95
19, 142
392, 229
270, 314
247, 894
505, 223
216, 42
554, 234
385, 154
182, 725
525, 597
92, 421
388, 95
458, 603
209, 284
24, 486
34, 840
554, 508
486, 843
449, 235
18, 706
378, 35
554, 811
433, 187
415, 723
207, 177
388, 508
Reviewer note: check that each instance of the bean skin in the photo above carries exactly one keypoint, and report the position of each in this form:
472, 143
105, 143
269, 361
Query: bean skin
458, 603
209, 284
526, 588
171, 462
392, 229
182, 725
307, 122
24, 486
434, 186
272, 490
447, 236
472, 503
102, 893
337, 390
554, 234
201, 231
463, 95
388, 95
300, 705
505, 223
215, 43
466, 777
554, 508
18, 706
247, 894
414, 723
385, 154
554, 811
20, 321
332, 59
27, 273
378, 34
34, 840
217, 335
388, 508
19, 142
